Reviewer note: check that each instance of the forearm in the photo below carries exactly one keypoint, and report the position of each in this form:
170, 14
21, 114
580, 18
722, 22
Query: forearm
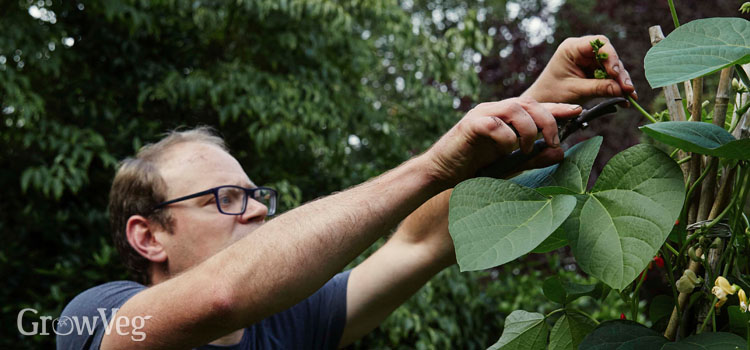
314, 242
384, 281
420, 248
279, 264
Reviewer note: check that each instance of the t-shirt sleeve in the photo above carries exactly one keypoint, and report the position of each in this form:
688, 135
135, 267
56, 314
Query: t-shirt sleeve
83, 322
315, 323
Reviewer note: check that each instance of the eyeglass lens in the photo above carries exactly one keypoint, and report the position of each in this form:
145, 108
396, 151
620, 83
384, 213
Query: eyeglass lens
232, 199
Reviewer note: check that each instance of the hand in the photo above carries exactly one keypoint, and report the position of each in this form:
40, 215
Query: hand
484, 135
569, 75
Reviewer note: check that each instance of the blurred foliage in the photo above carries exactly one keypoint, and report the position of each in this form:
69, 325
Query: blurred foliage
312, 97
324, 94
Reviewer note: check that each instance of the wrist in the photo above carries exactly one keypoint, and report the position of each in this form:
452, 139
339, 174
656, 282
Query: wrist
433, 175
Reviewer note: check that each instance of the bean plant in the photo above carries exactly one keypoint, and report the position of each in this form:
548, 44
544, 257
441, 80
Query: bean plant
677, 200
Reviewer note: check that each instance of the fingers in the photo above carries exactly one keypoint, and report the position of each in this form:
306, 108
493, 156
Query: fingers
621, 75
511, 112
544, 121
613, 65
598, 88
528, 117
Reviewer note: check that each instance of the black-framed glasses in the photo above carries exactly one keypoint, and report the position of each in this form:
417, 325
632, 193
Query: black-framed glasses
232, 200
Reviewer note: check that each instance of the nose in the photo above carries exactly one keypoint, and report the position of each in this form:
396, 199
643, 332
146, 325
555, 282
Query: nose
255, 212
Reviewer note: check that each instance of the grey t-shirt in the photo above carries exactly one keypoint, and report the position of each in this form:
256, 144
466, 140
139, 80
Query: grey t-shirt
315, 323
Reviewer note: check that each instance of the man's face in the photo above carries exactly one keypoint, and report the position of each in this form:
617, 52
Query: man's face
199, 230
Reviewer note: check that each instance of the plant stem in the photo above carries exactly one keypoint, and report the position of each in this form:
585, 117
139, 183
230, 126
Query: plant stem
671, 249
721, 216
696, 184
725, 191
636, 300
585, 315
643, 111
684, 160
671, 155
674, 14
696, 112
554, 312
710, 314
670, 277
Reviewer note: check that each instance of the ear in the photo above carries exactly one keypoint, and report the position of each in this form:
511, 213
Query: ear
142, 237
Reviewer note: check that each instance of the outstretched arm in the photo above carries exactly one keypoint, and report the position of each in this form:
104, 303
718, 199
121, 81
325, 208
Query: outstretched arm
262, 273
421, 247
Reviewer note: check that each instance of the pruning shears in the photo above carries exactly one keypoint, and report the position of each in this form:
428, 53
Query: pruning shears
505, 166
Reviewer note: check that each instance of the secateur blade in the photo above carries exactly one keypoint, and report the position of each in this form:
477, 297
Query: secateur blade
505, 166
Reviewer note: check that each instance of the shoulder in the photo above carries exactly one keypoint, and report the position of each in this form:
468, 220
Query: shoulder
108, 295
84, 319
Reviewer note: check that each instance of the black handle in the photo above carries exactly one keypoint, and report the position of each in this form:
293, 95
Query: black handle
506, 165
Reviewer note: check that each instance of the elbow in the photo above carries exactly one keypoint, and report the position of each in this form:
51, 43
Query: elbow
222, 302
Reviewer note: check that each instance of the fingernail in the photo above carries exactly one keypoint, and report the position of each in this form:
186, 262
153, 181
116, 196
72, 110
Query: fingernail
611, 90
628, 82
556, 141
635, 95
574, 107
616, 68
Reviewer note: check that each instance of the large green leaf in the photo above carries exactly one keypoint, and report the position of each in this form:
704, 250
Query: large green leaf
703, 138
572, 173
564, 292
571, 176
569, 331
495, 221
621, 335
652, 342
698, 48
628, 215
713, 341
523, 330
738, 320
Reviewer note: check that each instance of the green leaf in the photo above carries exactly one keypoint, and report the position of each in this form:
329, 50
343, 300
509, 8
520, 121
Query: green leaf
661, 307
713, 341
564, 292
572, 173
614, 334
569, 331
699, 137
738, 320
629, 215
698, 48
654, 342
495, 221
553, 290
556, 240
575, 290
523, 330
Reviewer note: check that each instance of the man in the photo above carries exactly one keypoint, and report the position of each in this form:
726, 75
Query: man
188, 218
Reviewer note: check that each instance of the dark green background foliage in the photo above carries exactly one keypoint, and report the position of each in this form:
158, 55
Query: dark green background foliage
312, 97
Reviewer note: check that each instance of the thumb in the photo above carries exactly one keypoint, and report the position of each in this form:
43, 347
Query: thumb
598, 87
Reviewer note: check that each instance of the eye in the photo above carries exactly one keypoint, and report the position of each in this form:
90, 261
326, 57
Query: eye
225, 199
